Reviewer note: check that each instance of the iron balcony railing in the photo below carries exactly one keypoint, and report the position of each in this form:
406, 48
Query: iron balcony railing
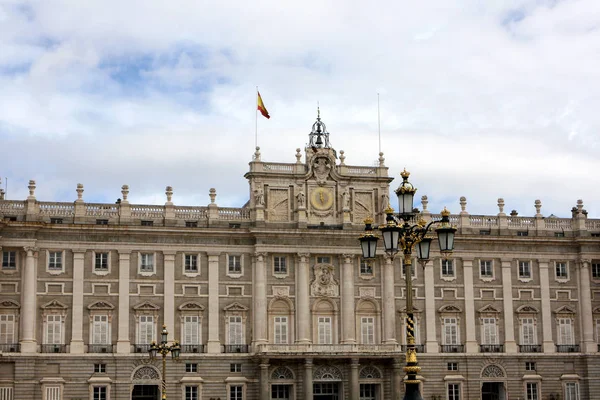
452, 348
491, 348
567, 348
235, 348
100, 348
192, 348
10, 347
420, 348
54, 348
141, 348
530, 348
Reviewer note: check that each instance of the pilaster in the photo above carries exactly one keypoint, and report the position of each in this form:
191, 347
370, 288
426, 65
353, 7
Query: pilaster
510, 345
169, 291
396, 380
214, 345
431, 343
585, 299
123, 340
29, 301
348, 322
77, 345
308, 379
303, 300
354, 384
265, 393
471, 341
389, 301
260, 300
548, 343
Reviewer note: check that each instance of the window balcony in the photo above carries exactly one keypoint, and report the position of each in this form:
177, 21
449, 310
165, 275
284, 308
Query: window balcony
491, 348
567, 348
530, 348
452, 348
10, 348
100, 348
420, 348
334, 349
54, 348
194, 348
235, 348
141, 348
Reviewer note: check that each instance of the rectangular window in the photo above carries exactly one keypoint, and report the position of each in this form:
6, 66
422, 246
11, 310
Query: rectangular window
528, 336
236, 392
366, 268
9, 260
191, 329
235, 335
191, 393
280, 329
235, 264
454, 391
485, 232
565, 331
490, 331
447, 268
522, 233
323, 260
7, 329
147, 262
53, 393
55, 261
53, 329
191, 263
324, 330
146, 329
100, 393
235, 367
147, 223
559, 234
524, 269
99, 368
101, 262
6, 393
100, 330
529, 366
279, 265
450, 331
532, 391
571, 391
367, 330
191, 367
485, 269
562, 270
596, 270
191, 224
56, 220
452, 366
101, 222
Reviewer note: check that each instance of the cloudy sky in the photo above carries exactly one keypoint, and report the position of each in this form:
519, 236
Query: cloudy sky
483, 99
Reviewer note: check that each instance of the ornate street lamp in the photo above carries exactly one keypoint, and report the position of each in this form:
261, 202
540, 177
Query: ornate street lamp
401, 233
163, 349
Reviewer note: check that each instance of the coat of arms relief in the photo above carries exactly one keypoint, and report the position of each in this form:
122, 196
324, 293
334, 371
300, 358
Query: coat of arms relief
324, 283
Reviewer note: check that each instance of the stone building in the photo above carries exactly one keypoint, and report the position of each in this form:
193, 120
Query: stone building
272, 300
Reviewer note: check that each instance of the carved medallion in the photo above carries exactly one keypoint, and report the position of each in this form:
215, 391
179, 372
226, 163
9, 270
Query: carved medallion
321, 167
324, 283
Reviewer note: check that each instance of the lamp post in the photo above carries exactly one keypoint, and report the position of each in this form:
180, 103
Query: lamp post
400, 233
163, 349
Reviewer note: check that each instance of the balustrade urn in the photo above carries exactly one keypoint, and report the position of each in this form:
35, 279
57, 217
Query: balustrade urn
31, 188
79, 192
169, 193
124, 193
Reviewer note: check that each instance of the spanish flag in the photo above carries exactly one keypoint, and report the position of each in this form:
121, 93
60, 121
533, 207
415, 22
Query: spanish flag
261, 107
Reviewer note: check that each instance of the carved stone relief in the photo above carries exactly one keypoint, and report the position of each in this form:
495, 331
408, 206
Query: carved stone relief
363, 206
279, 205
324, 283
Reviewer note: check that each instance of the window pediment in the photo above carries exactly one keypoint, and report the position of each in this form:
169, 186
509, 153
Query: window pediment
101, 305
565, 310
449, 309
54, 305
489, 309
146, 306
191, 306
415, 310
235, 307
9, 304
526, 309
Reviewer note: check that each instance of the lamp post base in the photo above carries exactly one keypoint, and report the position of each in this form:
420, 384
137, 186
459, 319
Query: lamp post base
412, 391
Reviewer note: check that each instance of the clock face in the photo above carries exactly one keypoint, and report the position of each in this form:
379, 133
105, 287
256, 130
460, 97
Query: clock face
321, 198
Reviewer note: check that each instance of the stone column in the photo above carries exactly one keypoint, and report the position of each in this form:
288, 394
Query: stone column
29, 300
303, 301
389, 302
260, 301
169, 293
431, 344
548, 343
308, 379
510, 346
214, 345
585, 299
123, 339
265, 393
471, 341
348, 323
396, 380
354, 385
77, 322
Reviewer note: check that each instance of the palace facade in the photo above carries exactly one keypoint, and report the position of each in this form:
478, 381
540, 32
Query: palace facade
273, 301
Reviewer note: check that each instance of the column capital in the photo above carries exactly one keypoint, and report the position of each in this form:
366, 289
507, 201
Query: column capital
302, 256
308, 362
30, 249
78, 254
584, 263
260, 255
213, 253
348, 257
354, 363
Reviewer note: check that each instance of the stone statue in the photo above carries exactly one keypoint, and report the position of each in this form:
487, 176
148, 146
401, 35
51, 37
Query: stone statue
301, 199
385, 201
259, 197
346, 199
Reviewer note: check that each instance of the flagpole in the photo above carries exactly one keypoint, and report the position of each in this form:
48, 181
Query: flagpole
256, 120
378, 123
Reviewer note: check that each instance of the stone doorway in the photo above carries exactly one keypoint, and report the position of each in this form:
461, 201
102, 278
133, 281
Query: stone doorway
492, 391
145, 392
